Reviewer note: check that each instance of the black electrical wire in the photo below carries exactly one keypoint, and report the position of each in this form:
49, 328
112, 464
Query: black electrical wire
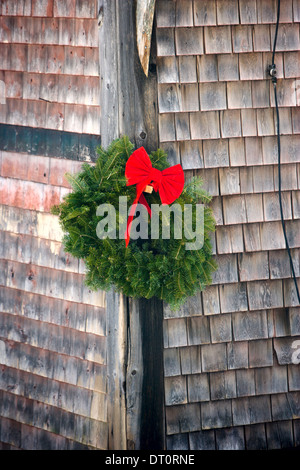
272, 72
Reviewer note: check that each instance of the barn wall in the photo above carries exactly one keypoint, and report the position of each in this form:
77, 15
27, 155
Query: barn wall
230, 379
52, 328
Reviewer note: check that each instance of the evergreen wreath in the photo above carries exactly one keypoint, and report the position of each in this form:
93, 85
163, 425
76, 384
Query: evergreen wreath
160, 268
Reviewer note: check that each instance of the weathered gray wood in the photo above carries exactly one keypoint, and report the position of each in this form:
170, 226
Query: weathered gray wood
134, 377
129, 105
216, 414
230, 439
116, 374
144, 24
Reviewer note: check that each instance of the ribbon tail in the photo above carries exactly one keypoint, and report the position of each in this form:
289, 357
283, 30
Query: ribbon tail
139, 197
145, 203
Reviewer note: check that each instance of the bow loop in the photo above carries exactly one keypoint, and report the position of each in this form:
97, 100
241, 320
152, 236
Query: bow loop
139, 170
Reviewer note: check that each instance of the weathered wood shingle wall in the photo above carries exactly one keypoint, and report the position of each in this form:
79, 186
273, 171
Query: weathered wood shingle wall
52, 328
231, 380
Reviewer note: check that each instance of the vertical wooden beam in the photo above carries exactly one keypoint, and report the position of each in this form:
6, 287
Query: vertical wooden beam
152, 427
116, 311
128, 103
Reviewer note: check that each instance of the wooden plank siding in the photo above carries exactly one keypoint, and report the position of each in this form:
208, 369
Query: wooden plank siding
230, 378
53, 379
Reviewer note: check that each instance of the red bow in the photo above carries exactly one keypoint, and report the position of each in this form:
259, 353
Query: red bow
169, 182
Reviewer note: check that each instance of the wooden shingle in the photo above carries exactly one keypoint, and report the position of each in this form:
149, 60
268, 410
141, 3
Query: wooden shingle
242, 39
213, 357
267, 60
230, 439
165, 42
191, 154
286, 93
229, 181
237, 354
183, 418
168, 98
208, 68
280, 435
272, 208
293, 377
245, 382
251, 66
284, 348
204, 13
281, 408
178, 442
279, 264
261, 38
254, 207
167, 70
212, 96
266, 12
165, 13
248, 12
215, 151
271, 380
227, 269
265, 121
184, 13
171, 362
222, 385
249, 126
237, 152
202, 440
166, 128
216, 414
228, 67
249, 326
288, 177
255, 436
217, 40
281, 322
189, 97
210, 178
291, 64
260, 409
187, 69
189, 41
211, 303
288, 37
205, 125
216, 206
234, 210
227, 12
229, 239
220, 328
246, 177
230, 123
265, 294
175, 332
261, 93
296, 120
198, 388
239, 95
182, 124
271, 236
252, 237
175, 390
198, 330
233, 298
190, 360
